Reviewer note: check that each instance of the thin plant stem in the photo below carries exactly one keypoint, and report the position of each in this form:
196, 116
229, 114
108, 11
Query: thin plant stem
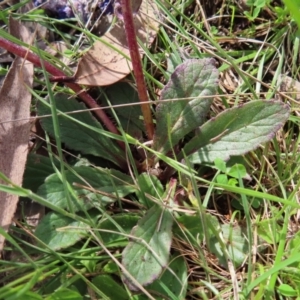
137, 66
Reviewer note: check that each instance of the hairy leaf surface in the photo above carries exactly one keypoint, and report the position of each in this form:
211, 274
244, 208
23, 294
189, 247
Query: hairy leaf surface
190, 89
237, 131
148, 252
91, 187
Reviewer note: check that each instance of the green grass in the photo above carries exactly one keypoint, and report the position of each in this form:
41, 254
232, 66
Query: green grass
261, 212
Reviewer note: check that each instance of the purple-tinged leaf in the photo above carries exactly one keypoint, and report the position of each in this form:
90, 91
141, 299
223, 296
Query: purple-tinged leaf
148, 253
190, 88
237, 131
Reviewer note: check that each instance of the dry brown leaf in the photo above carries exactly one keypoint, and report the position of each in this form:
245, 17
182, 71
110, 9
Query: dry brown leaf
5, 57
14, 105
108, 60
31, 212
290, 85
57, 49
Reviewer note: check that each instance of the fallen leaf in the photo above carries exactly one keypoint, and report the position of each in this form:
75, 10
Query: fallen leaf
108, 60
31, 212
57, 49
290, 85
15, 101
5, 57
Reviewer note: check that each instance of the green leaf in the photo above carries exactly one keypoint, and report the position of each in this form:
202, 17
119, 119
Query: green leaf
89, 264
111, 267
220, 164
149, 185
232, 182
148, 252
122, 94
173, 60
38, 167
234, 167
269, 230
110, 287
237, 245
256, 202
294, 245
287, 291
237, 131
28, 295
172, 284
192, 82
188, 228
222, 178
236, 241
119, 224
65, 294
237, 171
54, 232
87, 184
77, 130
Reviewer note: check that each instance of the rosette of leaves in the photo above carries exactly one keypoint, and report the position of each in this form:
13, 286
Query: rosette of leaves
182, 131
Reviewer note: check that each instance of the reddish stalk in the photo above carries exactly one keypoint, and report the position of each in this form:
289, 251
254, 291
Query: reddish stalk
137, 66
86, 98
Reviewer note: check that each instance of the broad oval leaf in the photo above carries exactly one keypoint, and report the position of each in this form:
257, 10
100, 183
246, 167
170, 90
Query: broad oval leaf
54, 232
91, 186
148, 252
191, 86
79, 132
237, 131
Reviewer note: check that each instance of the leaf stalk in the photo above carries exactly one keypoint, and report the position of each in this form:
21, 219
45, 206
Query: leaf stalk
137, 66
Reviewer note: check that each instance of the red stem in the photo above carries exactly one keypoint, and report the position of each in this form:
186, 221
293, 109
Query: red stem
137, 65
87, 99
